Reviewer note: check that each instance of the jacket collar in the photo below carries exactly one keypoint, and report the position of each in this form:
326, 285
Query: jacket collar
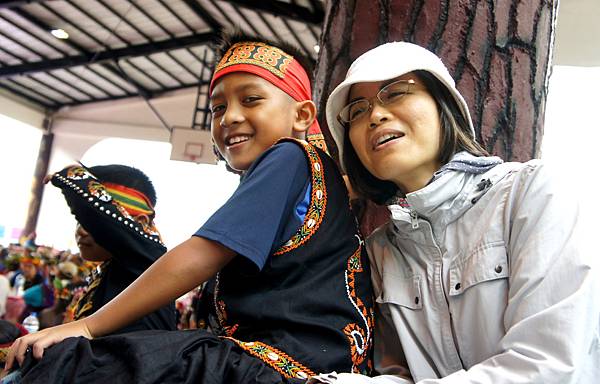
448, 197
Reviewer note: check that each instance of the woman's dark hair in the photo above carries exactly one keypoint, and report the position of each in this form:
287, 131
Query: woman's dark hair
455, 137
128, 176
228, 38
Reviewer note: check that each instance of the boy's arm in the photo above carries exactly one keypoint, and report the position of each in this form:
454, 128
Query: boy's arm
178, 271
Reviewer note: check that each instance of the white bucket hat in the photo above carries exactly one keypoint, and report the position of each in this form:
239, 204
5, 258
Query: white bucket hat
386, 62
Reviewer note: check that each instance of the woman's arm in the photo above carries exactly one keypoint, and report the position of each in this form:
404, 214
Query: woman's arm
176, 272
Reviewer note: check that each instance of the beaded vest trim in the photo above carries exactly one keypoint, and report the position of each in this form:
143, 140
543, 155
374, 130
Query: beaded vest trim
360, 338
275, 358
318, 202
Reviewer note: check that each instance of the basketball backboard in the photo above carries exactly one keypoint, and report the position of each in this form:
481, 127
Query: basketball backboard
193, 145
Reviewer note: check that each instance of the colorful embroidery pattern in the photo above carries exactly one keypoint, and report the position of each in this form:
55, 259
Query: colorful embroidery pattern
359, 338
318, 140
318, 202
262, 55
4, 354
78, 173
276, 359
85, 302
221, 312
98, 191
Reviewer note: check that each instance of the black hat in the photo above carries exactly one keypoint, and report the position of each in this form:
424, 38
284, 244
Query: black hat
106, 218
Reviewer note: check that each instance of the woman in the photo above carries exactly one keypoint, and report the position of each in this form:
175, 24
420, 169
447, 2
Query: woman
480, 276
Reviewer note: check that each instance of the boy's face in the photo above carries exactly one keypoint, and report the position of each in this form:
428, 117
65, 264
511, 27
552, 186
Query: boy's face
88, 247
249, 114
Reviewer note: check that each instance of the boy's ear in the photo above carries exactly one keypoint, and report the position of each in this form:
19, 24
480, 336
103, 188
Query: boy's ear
143, 219
306, 113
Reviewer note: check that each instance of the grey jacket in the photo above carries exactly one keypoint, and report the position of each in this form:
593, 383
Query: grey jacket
485, 279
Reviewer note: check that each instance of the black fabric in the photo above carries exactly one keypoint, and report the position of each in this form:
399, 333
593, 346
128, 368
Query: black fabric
8, 332
116, 277
299, 303
132, 250
255, 226
149, 357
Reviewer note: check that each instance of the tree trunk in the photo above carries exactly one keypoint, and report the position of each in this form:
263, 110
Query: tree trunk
498, 51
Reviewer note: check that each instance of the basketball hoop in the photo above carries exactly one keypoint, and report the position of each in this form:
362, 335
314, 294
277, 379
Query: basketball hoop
193, 150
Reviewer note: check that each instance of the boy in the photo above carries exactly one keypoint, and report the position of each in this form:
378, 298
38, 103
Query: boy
291, 294
123, 255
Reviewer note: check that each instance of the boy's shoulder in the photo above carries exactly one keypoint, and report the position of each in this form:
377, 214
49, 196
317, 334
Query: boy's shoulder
284, 155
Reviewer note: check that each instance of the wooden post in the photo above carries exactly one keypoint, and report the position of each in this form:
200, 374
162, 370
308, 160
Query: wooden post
37, 185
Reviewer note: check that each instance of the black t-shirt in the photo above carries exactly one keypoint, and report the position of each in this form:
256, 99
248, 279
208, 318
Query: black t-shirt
118, 275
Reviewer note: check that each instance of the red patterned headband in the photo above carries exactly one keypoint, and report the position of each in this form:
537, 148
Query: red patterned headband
275, 66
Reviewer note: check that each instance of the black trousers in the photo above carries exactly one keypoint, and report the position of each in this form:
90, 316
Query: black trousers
146, 357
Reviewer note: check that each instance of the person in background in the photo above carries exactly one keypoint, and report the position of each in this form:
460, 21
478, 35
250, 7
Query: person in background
4, 291
67, 283
121, 255
37, 293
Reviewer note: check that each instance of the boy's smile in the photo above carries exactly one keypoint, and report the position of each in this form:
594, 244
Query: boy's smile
249, 114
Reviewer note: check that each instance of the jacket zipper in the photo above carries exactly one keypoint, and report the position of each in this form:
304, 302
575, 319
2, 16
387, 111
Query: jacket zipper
446, 298
414, 219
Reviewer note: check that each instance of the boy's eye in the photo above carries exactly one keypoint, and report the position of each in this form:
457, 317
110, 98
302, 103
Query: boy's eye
250, 99
217, 109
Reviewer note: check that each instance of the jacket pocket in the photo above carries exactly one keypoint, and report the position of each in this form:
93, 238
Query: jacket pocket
485, 263
403, 291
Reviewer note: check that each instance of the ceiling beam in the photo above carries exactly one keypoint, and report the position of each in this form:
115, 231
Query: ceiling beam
12, 4
203, 14
287, 10
109, 55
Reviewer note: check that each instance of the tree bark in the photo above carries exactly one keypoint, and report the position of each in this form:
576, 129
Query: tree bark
498, 51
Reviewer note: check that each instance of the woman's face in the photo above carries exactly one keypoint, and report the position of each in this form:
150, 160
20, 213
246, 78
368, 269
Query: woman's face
398, 142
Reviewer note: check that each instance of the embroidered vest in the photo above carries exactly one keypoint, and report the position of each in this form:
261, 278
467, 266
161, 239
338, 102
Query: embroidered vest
310, 309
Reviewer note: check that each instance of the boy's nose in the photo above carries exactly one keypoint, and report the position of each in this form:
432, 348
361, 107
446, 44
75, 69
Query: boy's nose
80, 232
231, 117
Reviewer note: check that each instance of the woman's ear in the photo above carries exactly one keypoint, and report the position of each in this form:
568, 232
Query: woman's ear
306, 113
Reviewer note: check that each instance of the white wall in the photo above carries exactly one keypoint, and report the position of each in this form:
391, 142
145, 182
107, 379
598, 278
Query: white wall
571, 140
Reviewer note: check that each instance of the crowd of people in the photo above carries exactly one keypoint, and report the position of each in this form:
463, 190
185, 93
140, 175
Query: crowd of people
480, 275
50, 283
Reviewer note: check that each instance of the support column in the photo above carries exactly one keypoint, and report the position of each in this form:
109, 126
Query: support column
37, 185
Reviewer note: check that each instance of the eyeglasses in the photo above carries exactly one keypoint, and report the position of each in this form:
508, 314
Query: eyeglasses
391, 93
